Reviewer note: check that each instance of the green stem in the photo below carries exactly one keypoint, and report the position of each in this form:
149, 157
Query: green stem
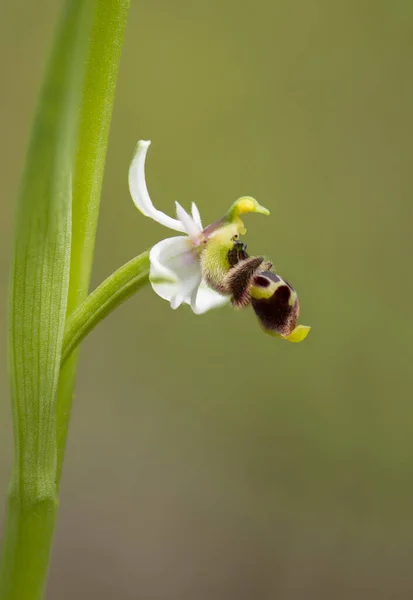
28, 537
117, 288
95, 117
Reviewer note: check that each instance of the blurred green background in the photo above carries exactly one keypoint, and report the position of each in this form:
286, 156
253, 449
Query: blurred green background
207, 460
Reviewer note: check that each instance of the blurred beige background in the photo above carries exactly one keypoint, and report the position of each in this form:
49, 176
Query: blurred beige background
208, 461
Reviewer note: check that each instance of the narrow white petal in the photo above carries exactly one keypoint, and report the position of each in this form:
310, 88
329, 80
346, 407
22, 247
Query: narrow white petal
191, 228
139, 191
175, 271
196, 216
204, 299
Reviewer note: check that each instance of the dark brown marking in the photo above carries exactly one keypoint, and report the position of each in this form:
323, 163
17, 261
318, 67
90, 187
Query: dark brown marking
265, 277
262, 281
289, 285
237, 253
275, 313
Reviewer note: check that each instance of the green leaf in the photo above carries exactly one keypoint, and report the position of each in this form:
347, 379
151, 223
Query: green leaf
37, 308
41, 262
109, 22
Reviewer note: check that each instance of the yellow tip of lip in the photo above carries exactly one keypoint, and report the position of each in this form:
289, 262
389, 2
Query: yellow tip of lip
298, 334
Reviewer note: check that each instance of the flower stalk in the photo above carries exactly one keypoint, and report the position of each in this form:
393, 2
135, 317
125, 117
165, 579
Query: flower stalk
110, 294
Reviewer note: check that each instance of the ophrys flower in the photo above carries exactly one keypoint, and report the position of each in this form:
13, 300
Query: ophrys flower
208, 267
176, 272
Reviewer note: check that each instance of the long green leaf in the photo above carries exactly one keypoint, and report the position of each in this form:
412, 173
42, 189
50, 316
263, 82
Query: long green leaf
108, 29
37, 308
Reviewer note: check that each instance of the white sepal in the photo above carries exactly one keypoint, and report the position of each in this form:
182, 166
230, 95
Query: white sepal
139, 191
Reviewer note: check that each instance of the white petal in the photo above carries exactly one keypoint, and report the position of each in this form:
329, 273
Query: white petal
139, 191
204, 299
191, 228
175, 271
196, 216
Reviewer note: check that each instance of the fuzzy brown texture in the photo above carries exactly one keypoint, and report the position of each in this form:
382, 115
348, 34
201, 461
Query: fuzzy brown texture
240, 278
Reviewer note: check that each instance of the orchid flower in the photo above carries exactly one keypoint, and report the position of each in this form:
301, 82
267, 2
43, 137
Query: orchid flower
175, 271
209, 267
